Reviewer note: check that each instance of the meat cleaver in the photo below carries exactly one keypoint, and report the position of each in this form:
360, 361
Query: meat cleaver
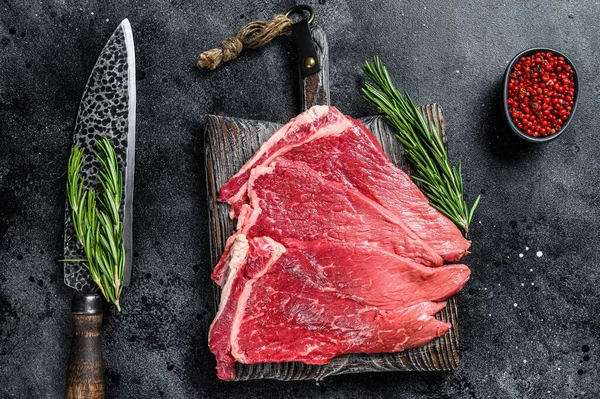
107, 109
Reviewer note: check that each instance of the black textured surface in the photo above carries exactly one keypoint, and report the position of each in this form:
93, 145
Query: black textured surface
529, 325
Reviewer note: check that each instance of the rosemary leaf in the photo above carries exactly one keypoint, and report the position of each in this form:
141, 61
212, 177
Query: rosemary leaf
99, 228
441, 182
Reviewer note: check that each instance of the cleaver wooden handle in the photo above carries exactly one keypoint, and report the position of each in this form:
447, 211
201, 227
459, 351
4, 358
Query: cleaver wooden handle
85, 372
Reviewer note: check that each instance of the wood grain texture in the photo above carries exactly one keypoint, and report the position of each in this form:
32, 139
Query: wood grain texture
229, 142
85, 373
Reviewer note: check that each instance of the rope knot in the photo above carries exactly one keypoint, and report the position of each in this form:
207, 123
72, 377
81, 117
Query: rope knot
251, 35
231, 48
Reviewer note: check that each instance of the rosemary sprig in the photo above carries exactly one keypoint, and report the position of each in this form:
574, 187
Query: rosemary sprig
99, 229
424, 148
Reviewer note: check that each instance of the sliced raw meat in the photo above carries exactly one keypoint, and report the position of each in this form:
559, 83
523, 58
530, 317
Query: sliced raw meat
343, 150
354, 160
313, 301
379, 278
316, 122
291, 201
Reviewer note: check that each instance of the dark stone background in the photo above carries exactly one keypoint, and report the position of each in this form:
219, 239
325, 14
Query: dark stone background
529, 325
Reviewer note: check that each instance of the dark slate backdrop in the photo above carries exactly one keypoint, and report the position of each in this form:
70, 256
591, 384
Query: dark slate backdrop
529, 325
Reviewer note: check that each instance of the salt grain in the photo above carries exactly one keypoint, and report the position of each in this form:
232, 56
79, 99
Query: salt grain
521, 255
526, 248
539, 254
515, 305
530, 270
522, 284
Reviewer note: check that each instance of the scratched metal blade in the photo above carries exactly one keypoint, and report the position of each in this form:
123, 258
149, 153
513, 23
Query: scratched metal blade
107, 109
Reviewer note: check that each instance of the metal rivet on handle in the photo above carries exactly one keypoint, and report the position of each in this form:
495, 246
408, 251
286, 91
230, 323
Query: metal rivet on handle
310, 62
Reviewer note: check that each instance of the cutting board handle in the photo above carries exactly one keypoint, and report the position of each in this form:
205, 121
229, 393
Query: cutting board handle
315, 88
85, 373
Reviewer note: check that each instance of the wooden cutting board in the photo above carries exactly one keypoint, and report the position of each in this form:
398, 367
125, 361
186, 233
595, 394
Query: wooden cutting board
229, 143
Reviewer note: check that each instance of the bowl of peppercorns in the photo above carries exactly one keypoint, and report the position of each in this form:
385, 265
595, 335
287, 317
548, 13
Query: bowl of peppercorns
540, 94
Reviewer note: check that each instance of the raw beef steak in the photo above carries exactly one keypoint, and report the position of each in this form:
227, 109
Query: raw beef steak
316, 122
289, 200
312, 301
343, 150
